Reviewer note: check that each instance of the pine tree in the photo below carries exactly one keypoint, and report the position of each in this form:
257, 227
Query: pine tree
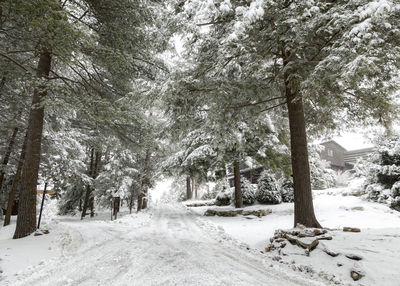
248, 191
318, 58
267, 189
383, 173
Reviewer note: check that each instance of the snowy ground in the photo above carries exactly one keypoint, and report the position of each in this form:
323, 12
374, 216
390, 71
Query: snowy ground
378, 243
167, 245
171, 245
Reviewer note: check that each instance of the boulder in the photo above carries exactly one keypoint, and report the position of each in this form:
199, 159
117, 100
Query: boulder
210, 212
225, 213
351, 229
308, 244
356, 275
353, 257
258, 213
331, 253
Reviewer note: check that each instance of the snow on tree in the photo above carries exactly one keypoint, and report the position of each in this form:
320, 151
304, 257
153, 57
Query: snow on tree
224, 193
383, 173
267, 189
322, 177
287, 190
318, 59
248, 191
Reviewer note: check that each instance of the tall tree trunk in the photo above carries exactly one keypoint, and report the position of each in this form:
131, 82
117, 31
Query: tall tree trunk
303, 203
87, 194
91, 204
143, 190
95, 158
26, 220
131, 203
15, 183
188, 189
139, 202
238, 191
145, 199
7, 156
95, 174
194, 188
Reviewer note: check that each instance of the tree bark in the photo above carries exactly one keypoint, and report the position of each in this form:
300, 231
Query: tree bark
26, 220
6, 158
188, 189
131, 203
87, 194
303, 203
139, 203
15, 183
142, 198
238, 191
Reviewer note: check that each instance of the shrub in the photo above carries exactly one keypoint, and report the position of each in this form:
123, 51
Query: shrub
224, 195
287, 190
267, 189
248, 191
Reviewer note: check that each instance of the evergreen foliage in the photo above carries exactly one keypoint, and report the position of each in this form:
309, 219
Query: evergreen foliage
248, 191
267, 189
224, 195
287, 190
383, 173
322, 177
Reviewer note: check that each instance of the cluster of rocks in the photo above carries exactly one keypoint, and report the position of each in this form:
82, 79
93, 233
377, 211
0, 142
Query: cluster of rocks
235, 212
308, 239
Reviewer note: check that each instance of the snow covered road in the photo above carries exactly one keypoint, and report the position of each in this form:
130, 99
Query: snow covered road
164, 246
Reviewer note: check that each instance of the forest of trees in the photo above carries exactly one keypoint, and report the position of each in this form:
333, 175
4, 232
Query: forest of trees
99, 98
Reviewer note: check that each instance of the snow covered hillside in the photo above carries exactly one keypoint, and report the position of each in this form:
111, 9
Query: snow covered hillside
378, 243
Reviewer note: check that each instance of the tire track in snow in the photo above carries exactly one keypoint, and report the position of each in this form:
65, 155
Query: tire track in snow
170, 247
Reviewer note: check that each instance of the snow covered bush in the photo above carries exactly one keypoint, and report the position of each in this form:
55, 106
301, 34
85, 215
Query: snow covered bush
177, 192
383, 173
342, 179
267, 189
224, 194
248, 191
322, 177
287, 190
210, 193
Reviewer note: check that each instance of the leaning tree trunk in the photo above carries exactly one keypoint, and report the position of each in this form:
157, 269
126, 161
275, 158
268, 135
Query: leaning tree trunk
26, 220
303, 203
188, 189
7, 156
238, 190
15, 182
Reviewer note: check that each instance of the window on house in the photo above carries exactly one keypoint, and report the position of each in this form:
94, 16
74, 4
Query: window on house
330, 153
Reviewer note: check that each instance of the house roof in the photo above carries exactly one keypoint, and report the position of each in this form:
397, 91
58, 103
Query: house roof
334, 142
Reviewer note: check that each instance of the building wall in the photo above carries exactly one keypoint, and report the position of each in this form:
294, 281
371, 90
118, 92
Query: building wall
351, 157
334, 154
